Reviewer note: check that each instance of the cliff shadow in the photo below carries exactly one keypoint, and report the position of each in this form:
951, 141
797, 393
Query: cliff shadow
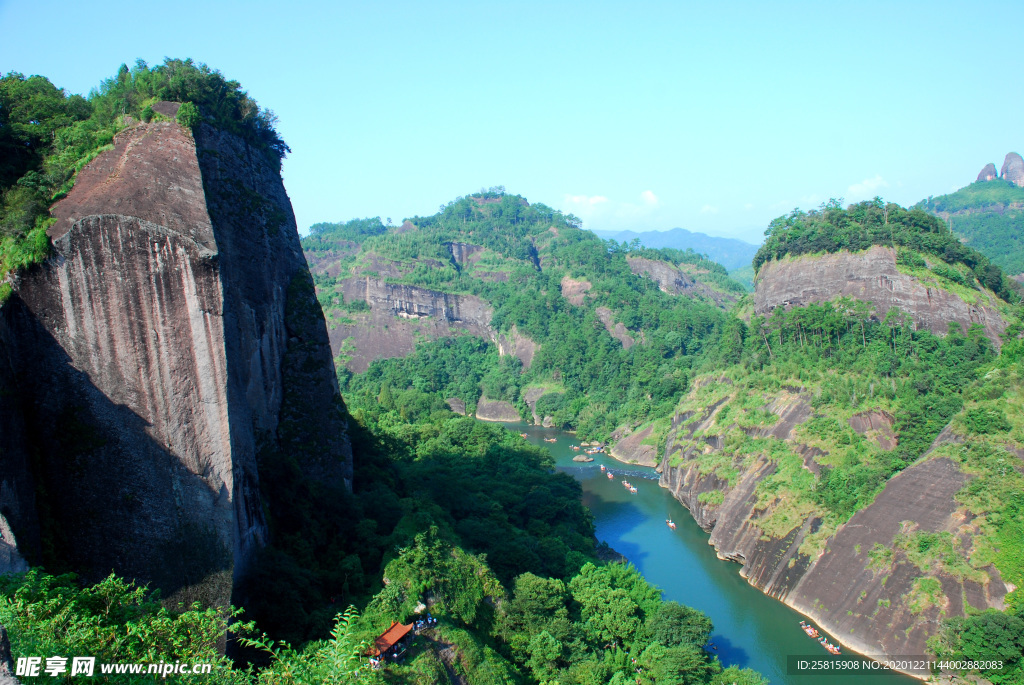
110, 497
728, 652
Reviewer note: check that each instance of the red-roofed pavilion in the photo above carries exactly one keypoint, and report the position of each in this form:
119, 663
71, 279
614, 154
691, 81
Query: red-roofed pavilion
390, 642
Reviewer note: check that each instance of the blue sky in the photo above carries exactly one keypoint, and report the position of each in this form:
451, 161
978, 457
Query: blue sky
714, 117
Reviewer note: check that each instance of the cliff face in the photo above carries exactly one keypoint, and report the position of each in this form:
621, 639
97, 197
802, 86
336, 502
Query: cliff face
856, 581
176, 329
871, 276
399, 315
674, 281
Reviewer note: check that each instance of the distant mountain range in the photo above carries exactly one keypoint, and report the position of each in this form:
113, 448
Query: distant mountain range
729, 252
988, 215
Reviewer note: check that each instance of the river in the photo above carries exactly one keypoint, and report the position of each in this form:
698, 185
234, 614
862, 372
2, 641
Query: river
752, 630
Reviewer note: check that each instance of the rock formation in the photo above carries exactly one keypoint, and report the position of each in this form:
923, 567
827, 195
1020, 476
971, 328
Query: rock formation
859, 597
988, 173
399, 316
615, 329
173, 335
574, 290
871, 276
632, 450
1013, 169
672, 280
496, 410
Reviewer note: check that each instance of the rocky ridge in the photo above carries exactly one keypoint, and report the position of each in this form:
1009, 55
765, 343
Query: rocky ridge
871, 276
178, 330
867, 600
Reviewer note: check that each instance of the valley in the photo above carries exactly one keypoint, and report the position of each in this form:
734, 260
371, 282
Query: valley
281, 448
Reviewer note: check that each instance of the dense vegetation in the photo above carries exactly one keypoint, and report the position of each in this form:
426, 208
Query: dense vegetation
604, 625
47, 136
832, 228
989, 217
525, 253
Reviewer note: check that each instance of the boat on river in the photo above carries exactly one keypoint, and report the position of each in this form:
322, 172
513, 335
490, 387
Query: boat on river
813, 633
602, 467
610, 475
671, 523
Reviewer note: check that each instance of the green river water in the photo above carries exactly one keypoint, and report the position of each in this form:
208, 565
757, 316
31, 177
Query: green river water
751, 629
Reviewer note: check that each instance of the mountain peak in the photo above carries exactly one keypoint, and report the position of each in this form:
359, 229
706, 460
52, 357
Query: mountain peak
1013, 169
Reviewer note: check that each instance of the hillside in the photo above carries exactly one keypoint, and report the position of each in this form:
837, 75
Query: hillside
729, 252
597, 334
987, 215
172, 437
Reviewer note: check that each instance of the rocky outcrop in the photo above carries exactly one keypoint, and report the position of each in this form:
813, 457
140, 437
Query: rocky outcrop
673, 281
178, 334
6, 662
496, 410
871, 276
399, 316
632, 450
574, 290
456, 405
876, 426
11, 560
861, 587
464, 253
1013, 169
988, 173
616, 330
517, 345
530, 396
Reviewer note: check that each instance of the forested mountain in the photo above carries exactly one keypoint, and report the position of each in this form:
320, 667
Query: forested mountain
987, 215
793, 419
594, 335
213, 459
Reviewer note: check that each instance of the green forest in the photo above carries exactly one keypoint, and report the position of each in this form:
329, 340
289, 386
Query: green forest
601, 384
511, 569
832, 228
989, 217
48, 135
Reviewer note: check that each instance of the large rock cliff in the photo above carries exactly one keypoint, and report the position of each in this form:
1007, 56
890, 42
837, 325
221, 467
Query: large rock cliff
871, 276
855, 581
173, 335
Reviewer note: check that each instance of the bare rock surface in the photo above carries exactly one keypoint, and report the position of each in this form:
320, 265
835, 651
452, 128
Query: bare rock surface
1013, 169
496, 410
876, 426
179, 334
582, 458
616, 330
456, 405
864, 604
988, 173
631, 449
530, 396
6, 661
464, 253
674, 281
871, 276
517, 345
574, 290
401, 315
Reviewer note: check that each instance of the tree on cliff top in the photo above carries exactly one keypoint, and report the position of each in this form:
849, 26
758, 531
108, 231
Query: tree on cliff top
47, 135
830, 228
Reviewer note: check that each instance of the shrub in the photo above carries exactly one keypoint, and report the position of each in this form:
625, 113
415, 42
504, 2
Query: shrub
188, 115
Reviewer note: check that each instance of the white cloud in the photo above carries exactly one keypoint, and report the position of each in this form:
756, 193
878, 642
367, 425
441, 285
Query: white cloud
649, 197
709, 209
585, 199
869, 187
